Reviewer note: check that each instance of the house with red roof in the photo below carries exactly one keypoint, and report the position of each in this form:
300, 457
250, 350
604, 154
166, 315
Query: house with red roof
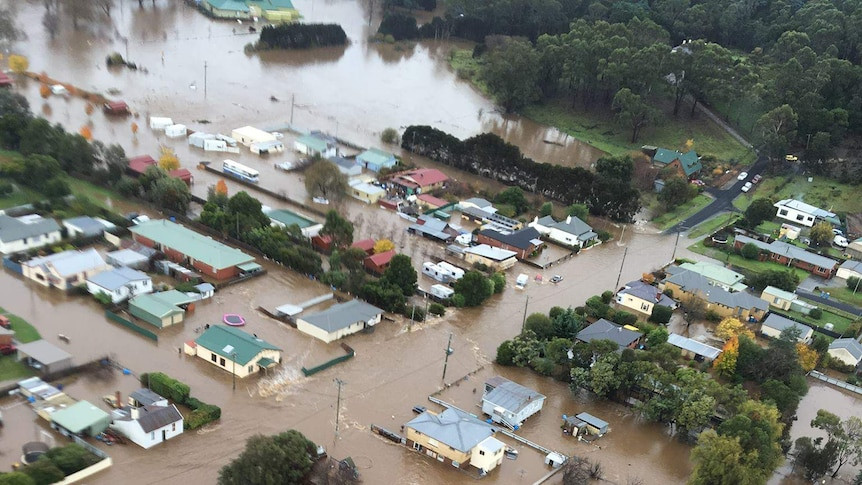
138, 165
5, 80
431, 202
378, 263
420, 180
366, 245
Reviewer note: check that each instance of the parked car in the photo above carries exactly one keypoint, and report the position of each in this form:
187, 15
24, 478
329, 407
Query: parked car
840, 241
556, 278
837, 232
7, 349
419, 409
742, 176
747, 186
4, 322
699, 182
757, 178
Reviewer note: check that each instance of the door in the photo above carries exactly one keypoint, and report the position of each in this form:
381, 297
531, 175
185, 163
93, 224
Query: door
164, 435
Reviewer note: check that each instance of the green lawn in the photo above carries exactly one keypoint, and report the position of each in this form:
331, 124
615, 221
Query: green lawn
846, 295
738, 261
670, 218
711, 225
743, 200
839, 321
769, 227
821, 192
97, 195
24, 332
11, 369
467, 68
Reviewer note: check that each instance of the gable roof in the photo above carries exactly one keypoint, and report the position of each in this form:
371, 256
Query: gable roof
777, 322
127, 257
226, 341
13, 229
364, 244
784, 295
380, 259
80, 416
689, 161
605, 330
510, 395
790, 251
800, 206
490, 252
233, 5
68, 263
152, 418
314, 142
571, 225
855, 266
344, 164
420, 177
85, 224
430, 199
647, 292
478, 202
192, 244
453, 428
432, 226
521, 239
377, 157
698, 348
343, 315
850, 345
117, 278
698, 284
160, 304
289, 218
717, 272
145, 396
140, 163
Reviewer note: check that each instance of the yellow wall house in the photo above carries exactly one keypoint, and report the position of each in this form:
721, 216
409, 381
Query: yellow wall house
273, 10
234, 350
688, 286
778, 298
66, 269
456, 438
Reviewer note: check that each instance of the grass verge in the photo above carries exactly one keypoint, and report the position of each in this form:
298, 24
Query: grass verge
690, 208
24, 332
840, 322
709, 226
821, 192
468, 68
738, 261
845, 295
11, 369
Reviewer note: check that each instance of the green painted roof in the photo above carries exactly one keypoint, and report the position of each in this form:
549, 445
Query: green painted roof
197, 246
232, 5
272, 4
156, 305
266, 362
175, 297
715, 272
665, 156
289, 218
689, 161
226, 341
377, 157
80, 416
313, 142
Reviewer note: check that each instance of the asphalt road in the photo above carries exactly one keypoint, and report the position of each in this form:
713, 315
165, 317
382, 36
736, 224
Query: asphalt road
722, 199
829, 302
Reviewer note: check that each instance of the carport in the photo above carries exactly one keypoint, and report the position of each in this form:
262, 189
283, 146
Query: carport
44, 356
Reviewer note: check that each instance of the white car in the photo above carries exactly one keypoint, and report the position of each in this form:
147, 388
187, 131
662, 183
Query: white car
742, 176
840, 241
746, 187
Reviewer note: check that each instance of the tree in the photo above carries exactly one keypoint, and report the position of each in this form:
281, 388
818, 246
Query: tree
42, 471
661, 314
475, 288
846, 434
750, 251
171, 193
541, 325
696, 411
285, 458
731, 327
808, 357
758, 429
338, 228
676, 191
18, 64
578, 210
604, 380
56, 188
725, 363
719, 460
633, 111
546, 209
44, 91
168, 160
775, 130
511, 75
505, 353
657, 336
527, 348
401, 274
760, 210
134, 128
323, 179
221, 187
514, 197
383, 245
814, 458
390, 136
821, 234
16, 478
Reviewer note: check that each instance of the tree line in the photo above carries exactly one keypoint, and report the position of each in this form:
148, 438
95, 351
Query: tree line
607, 192
300, 36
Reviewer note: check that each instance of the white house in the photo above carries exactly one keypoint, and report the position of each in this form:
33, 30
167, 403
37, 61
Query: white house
510, 403
775, 324
316, 144
348, 167
147, 426
120, 283
571, 232
287, 218
247, 135
66, 269
643, 297
340, 320
801, 213
847, 350
27, 232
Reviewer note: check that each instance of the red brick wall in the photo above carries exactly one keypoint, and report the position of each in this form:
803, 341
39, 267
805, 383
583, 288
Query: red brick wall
174, 255
146, 242
483, 239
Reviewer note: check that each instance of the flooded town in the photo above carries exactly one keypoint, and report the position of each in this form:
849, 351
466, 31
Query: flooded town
361, 243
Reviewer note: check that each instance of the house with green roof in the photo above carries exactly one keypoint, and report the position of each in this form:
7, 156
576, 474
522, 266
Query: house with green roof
161, 309
274, 11
316, 145
287, 218
686, 164
184, 246
81, 418
376, 160
717, 274
234, 350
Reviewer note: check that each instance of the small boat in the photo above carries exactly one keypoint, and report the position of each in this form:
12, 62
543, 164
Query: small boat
233, 320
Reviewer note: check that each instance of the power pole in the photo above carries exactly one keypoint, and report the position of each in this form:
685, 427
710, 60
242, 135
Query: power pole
292, 102
205, 79
448, 353
524, 321
673, 258
620, 275
340, 383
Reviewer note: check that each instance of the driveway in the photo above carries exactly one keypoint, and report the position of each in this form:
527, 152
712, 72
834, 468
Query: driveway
829, 302
722, 200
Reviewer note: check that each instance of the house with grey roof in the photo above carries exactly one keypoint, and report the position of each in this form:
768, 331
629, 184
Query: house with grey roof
850, 269
524, 242
340, 320
84, 226
570, 232
847, 350
27, 232
148, 425
347, 166
688, 286
433, 228
129, 258
789, 255
495, 258
801, 213
455, 438
316, 144
66, 269
774, 324
120, 283
603, 329
44, 356
510, 403
693, 349
716, 273
643, 297
146, 397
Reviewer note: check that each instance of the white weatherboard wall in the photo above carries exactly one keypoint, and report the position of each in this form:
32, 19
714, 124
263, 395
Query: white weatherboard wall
124, 292
843, 355
635, 303
513, 418
29, 243
327, 337
796, 216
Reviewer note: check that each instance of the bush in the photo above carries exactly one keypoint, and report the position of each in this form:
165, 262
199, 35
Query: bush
505, 353
816, 313
712, 316
6, 188
603, 235
301, 36
458, 300
499, 280
415, 313
44, 472
750, 251
625, 318
163, 385
546, 209
203, 415
853, 283
71, 458
607, 296
436, 309
668, 292
544, 366
661, 314
390, 136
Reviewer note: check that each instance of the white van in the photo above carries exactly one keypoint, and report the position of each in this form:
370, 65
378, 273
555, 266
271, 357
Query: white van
522, 280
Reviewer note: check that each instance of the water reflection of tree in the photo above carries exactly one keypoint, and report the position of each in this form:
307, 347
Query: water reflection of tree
393, 53
302, 57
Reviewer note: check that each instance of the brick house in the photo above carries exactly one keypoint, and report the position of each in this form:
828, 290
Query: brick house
790, 255
524, 242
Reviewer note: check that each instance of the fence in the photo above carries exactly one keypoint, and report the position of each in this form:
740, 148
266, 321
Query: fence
835, 382
130, 325
816, 328
332, 362
12, 265
388, 434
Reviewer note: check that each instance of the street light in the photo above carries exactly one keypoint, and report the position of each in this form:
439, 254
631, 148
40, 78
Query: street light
233, 355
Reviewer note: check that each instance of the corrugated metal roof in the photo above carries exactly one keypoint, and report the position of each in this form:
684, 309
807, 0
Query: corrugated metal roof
511, 395
80, 416
343, 315
117, 278
12, 229
605, 330
453, 428
192, 244
691, 345
152, 418
227, 341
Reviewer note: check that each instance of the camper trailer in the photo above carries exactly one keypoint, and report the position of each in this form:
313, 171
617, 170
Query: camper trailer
436, 272
522, 280
176, 131
455, 272
441, 291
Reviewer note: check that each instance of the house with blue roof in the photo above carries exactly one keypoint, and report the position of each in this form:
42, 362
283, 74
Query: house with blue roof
376, 160
120, 283
66, 269
686, 164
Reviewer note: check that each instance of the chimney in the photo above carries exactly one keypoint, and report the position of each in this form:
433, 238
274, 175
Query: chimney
658, 296
117, 397
620, 329
568, 219
136, 413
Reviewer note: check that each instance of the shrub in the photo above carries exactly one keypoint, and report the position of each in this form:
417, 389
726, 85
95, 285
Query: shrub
625, 318
505, 353
43, 472
71, 458
853, 283
390, 136
499, 280
816, 313
436, 309
6, 188
668, 292
607, 296
712, 316
458, 300
750, 251
603, 235
661, 314
544, 366
301, 36
546, 209
203, 415
163, 385
415, 313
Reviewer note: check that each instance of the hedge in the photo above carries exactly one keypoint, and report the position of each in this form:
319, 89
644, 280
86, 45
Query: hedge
168, 387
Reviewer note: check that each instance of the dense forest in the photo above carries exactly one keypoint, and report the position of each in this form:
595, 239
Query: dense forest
786, 72
300, 36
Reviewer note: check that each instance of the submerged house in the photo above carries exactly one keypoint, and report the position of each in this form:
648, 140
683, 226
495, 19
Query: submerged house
234, 350
455, 438
340, 320
510, 403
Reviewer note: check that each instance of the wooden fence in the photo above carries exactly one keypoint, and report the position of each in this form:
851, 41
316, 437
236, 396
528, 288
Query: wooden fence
331, 362
131, 325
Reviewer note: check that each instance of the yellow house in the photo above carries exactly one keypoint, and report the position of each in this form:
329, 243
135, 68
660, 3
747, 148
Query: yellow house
778, 298
340, 320
234, 350
455, 438
274, 11
495, 258
66, 269
688, 286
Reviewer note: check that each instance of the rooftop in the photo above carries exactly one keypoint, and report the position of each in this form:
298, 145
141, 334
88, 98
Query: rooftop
79, 416
343, 315
800, 206
785, 295
383, 258
140, 163
421, 177
780, 323
694, 346
790, 251
431, 200
605, 330
71, 262
314, 142
367, 188
289, 218
117, 278
378, 157
477, 201
344, 164
850, 345
453, 428
522, 239
44, 352
851, 265
12, 229
159, 304
571, 225
190, 243
364, 244
718, 273
696, 283
647, 292
227, 341
127, 256
689, 161
152, 418
592, 420
510, 395
490, 252
85, 223
145, 396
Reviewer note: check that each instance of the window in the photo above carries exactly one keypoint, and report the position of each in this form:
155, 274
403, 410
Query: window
213, 357
417, 446
433, 442
482, 452
800, 217
645, 306
173, 426
153, 435
221, 361
250, 369
456, 464
783, 212
775, 300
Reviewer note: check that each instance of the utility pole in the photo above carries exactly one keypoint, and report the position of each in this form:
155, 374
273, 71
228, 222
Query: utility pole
205, 79
340, 383
292, 102
673, 257
448, 353
524, 321
620, 275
